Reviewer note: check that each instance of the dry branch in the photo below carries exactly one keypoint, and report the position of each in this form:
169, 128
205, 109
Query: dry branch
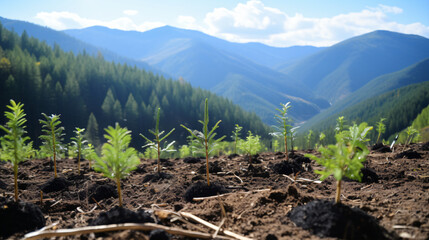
117, 227
214, 227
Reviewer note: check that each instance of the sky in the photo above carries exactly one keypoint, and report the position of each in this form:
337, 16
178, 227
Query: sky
280, 23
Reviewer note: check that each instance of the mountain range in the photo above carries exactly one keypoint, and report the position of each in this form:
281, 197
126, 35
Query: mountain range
317, 81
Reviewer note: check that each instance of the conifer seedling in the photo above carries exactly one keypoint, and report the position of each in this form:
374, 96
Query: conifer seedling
14, 146
345, 158
79, 142
52, 136
381, 128
156, 143
206, 137
236, 136
117, 158
250, 146
283, 123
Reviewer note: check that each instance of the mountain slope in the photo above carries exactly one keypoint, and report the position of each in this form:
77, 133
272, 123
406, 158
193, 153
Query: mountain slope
210, 63
400, 107
337, 71
67, 43
415, 73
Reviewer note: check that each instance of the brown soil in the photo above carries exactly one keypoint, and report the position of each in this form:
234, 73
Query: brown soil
399, 200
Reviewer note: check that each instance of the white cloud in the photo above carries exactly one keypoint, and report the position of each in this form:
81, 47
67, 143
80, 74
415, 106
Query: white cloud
68, 20
188, 22
255, 22
130, 12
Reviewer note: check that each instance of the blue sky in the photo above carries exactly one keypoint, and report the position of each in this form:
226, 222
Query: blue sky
273, 22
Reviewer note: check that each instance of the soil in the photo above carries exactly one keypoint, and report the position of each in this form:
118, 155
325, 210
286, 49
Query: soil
258, 204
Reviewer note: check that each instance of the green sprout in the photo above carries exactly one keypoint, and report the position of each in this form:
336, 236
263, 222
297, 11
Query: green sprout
236, 136
283, 123
339, 127
89, 154
52, 136
117, 159
309, 135
293, 136
275, 144
411, 133
250, 146
13, 143
156, 143
206, 137
184, 151
345, 158
78, 141
322, 137
381, 128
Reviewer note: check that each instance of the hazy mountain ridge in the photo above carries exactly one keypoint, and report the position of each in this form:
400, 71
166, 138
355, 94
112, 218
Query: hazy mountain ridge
339, 70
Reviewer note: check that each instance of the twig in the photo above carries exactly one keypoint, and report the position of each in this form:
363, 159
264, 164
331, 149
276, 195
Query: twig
57, 202
214, 227
302, 179
97, 203
226, 194
117, 227
219, 227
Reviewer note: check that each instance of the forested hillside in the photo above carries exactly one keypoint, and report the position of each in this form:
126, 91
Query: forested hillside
400, 107
52, 81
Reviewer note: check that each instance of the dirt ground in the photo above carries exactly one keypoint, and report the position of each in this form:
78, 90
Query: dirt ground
258, 202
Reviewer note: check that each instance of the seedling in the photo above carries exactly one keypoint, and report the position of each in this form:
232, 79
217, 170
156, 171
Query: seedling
322, 137
308, 138
293, 136
89, 153
236, 136
206, 137
250, 146
283, 123
52, 136
156, 143
275, 145
79, 142
117, 159
381, 128
13, 144
345, 158
339, 127
184, 151
411, 133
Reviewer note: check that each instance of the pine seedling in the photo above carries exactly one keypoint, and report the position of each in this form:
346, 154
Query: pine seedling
309, 135
236, 136
293, 136
250, 146
339, 127
117, 158
322, 137
52, 136
275, 145
411, 133
283, 123
89, 153
206, 137
156, 143
345, 158
78, 141
14, 146
381, 128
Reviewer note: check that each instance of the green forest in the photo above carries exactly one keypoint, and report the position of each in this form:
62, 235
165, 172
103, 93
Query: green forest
89, 92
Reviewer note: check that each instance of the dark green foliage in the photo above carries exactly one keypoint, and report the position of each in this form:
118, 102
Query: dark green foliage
50, 80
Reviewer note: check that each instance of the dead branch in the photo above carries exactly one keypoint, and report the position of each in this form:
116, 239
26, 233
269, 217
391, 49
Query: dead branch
117, 227
214, 227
